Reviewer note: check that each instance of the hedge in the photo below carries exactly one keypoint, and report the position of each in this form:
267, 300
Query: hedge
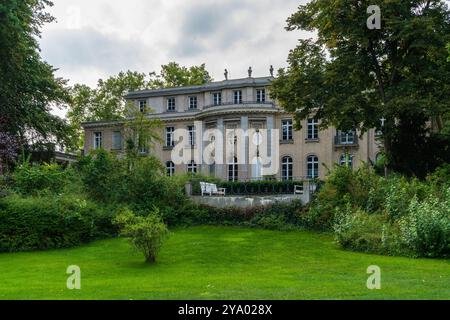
41, 223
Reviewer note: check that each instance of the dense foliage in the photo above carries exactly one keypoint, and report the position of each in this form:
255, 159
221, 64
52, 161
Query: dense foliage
28, 86
351, 76
147, 234
277, 216
106, 101
366, 212
393, 216
142, 186
47, 222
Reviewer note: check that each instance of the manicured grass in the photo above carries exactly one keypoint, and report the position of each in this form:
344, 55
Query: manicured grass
222, 263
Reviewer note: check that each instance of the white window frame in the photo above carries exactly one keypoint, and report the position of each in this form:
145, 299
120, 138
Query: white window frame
261, 95
191, 132
313, 129
142, 105
193, 103
192, 167
287, 127
98, 140
117, 145
287, 168
346, 137
217, 98
233, 170
171, 104
170, 142
237, 97
170, 168
342, 160
312, 166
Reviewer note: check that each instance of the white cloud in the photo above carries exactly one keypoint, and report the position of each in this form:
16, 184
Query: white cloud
97, 38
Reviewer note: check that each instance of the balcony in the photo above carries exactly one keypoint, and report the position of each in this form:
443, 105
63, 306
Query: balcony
346, 139
243, 103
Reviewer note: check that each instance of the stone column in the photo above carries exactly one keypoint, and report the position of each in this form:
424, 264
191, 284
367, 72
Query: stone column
244, 149
271, 151
220, 150
199, 146
270, 126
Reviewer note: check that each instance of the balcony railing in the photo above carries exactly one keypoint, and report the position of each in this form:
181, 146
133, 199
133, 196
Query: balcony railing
346, 139
266, 103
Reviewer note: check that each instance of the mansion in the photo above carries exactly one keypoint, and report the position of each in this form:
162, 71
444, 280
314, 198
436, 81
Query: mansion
236, 106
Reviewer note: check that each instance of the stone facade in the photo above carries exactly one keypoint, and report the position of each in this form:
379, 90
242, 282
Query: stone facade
243, 104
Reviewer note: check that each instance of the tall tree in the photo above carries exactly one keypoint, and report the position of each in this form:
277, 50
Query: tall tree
141, 133
351, 76
174, 75
28, 87
106, 101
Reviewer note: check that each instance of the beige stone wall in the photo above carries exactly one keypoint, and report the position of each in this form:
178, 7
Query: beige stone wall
298, 149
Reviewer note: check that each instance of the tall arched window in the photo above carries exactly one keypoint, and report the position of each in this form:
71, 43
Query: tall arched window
192, 167
170, 167
212, 169
343, 160
286, 168
312, 166
233, 170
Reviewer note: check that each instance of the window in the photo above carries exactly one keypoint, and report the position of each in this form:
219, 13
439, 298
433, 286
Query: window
346, 137
142, 144
238, 97
170, 167
169, 137
142, 106
233, 170
312, 167
287, 129
143, 148
97, 140
171, 104
212, 169
217, 98
117, 140
313, 129
192, 103
343, 160
286, 168
261, 95
191, 130
192, 167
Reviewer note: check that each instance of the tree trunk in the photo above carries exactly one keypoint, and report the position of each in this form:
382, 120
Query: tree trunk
150, 259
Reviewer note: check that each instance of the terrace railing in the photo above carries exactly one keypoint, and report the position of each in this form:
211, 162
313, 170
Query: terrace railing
246, 103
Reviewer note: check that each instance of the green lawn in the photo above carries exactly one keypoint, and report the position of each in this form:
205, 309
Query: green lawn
222, 263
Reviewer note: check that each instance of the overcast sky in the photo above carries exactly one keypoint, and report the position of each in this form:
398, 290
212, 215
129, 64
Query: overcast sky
94, 39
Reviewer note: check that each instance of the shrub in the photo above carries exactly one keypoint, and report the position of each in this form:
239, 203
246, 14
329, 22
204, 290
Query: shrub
146, 186
278, 216
140, 186
441, 176
357, 230
147, 234
426, 227
33, 179
39, 223
101, 174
